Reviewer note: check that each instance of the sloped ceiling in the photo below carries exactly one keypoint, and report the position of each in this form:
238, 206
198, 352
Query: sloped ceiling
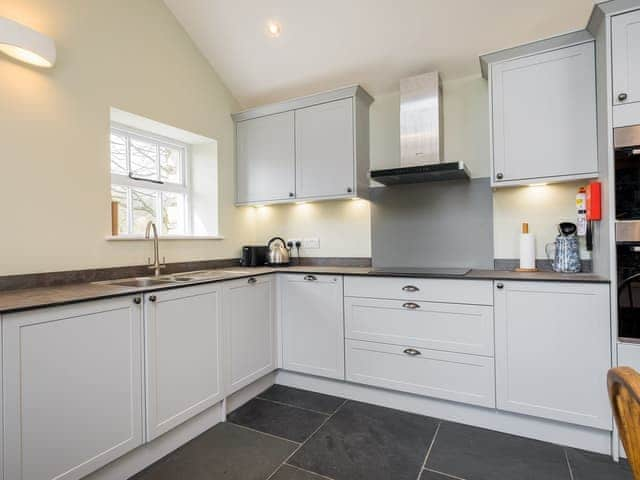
330, 43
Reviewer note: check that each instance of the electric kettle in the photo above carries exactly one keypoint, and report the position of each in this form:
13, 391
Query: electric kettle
566, 255
277, 254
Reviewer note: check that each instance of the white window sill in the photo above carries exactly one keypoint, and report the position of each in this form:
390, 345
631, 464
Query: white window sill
126, 238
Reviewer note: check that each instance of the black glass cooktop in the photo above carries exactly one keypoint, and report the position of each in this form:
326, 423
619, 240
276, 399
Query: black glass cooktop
418, 272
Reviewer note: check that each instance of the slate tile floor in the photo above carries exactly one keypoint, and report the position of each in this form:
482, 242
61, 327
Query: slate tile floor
291, 434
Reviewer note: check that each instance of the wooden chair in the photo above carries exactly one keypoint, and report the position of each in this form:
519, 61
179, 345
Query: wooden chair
624, 393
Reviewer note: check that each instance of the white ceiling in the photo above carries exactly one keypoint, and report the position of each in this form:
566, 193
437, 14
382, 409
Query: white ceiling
330, 43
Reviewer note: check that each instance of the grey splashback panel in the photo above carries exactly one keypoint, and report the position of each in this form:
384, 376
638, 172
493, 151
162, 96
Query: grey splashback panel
442, 224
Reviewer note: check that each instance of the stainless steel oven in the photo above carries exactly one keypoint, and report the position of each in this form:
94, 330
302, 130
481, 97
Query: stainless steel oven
627, 192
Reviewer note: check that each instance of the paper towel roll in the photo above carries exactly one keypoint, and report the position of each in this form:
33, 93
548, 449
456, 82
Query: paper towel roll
527, 251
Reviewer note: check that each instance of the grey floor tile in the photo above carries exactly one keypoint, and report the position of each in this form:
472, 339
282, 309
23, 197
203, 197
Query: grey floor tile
287, 472
593, 466
225, 452
477, 454
364, 441
429, 475
302, 398
282, 420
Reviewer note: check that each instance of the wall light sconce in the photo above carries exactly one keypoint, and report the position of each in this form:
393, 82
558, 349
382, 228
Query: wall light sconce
25, 44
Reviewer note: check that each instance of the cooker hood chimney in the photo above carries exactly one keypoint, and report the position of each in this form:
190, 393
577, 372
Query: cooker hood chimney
421, 136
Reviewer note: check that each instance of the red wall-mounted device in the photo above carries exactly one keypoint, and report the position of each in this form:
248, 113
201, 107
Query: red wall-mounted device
594, 201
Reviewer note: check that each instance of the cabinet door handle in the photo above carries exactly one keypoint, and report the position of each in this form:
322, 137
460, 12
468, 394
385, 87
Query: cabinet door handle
412, 351
310, 278
349, 189
291, 194
153, 298
252, 280
500, 286
499, 176
622, 97
411, 305
410, 288
137, 300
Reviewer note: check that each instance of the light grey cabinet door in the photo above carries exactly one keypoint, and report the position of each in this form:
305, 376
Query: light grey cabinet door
249, 330
544, 116
72, 388
312, 325
625, 32
325, 150
553, 350
183, 355
265, 159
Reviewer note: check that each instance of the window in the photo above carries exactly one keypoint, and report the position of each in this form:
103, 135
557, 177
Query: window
149, 180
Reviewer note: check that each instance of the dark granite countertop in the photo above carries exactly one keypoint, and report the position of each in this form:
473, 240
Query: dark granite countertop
24, 299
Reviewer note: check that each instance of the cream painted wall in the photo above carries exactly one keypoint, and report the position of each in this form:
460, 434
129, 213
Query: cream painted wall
543, 207
54, 187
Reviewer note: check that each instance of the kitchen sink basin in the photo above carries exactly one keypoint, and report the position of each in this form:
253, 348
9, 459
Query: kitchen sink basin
141, 282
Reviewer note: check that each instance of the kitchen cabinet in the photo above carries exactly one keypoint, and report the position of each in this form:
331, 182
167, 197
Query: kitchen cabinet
437, 326
553, 350
249, 330
312, 324
543, 116
183, 354
265, 159
324, 150
309, 148
473, 292
625, 37
438, 374
72, 388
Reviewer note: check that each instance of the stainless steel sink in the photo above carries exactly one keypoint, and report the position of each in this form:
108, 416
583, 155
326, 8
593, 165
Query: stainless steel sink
141, 282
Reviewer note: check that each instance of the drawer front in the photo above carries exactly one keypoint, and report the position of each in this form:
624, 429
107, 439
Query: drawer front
477, 292
437, 326
449, 376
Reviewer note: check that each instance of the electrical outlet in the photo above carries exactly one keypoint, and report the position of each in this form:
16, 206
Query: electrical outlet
311, 243
293, 241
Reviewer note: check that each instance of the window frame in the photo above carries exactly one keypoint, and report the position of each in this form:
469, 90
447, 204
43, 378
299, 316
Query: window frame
123, 180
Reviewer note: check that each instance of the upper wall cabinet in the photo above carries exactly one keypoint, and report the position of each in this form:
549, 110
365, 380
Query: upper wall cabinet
310, 148
324, 150
543, 111
625, 37
265, 159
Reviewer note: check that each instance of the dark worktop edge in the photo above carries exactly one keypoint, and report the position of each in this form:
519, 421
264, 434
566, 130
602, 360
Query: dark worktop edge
68, 298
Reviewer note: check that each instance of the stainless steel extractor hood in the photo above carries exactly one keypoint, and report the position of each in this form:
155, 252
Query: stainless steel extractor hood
421, 136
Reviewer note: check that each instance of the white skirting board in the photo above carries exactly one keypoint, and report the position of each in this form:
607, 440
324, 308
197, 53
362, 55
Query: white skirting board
151, 452
522, 425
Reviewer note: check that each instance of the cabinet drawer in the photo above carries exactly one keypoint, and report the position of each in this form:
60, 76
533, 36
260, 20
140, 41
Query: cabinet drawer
477, 292
438, 326
449, 376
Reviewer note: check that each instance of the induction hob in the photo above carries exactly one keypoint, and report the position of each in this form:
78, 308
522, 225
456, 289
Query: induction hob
419, 272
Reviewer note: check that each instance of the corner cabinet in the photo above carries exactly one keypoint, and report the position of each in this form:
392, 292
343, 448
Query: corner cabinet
553, 350
72, 388
625, 60
543, 112
310, 148
184, 355
249, 331
312, 324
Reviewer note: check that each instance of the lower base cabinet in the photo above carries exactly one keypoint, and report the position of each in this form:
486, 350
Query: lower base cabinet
312, 324
184, 355
445, 375
72, 395
553, 350
249, 331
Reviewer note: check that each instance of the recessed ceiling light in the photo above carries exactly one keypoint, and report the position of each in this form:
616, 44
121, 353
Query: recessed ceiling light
273, 29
